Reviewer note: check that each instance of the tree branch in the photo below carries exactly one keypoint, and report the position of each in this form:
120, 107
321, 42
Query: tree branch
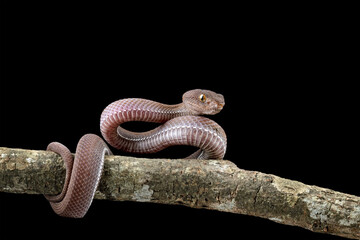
211, 184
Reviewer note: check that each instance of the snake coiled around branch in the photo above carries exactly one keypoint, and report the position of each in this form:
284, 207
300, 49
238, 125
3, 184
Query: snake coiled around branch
181, 125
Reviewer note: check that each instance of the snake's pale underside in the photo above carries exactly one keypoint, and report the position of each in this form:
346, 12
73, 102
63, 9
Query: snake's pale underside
180, 125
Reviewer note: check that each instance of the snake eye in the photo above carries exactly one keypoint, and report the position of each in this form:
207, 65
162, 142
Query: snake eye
202, 98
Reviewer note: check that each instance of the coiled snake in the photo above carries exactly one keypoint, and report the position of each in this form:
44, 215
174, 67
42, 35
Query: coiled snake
181, 126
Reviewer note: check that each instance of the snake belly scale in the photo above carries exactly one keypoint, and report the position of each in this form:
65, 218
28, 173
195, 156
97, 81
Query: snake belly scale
181, 125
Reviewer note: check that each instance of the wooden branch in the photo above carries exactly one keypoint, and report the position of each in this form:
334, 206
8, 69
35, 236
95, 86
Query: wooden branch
211, 184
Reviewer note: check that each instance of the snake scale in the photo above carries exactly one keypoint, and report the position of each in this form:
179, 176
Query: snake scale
181, 125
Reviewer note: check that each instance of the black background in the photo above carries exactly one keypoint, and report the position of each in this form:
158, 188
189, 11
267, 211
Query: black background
286, 74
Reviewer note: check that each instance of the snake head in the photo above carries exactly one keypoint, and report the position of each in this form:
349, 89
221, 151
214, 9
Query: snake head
200, 102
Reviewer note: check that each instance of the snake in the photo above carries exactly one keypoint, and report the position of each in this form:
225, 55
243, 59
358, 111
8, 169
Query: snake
180, 124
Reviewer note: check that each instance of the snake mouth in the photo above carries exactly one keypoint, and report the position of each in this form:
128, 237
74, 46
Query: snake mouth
220, 106
216, 109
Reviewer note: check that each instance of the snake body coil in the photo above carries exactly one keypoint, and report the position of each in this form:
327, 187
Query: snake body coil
181, 126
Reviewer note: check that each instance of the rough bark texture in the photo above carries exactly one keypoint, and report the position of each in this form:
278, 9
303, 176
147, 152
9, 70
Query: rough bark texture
211, 184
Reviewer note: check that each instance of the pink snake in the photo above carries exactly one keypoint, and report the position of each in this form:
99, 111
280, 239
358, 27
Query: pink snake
181, 126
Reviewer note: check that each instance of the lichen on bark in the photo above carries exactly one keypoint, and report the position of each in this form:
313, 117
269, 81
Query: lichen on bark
210, 184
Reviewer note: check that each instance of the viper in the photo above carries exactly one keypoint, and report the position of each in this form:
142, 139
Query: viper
181, 124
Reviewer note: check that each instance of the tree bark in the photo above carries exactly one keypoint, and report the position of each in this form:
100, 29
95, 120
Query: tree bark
211, 184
